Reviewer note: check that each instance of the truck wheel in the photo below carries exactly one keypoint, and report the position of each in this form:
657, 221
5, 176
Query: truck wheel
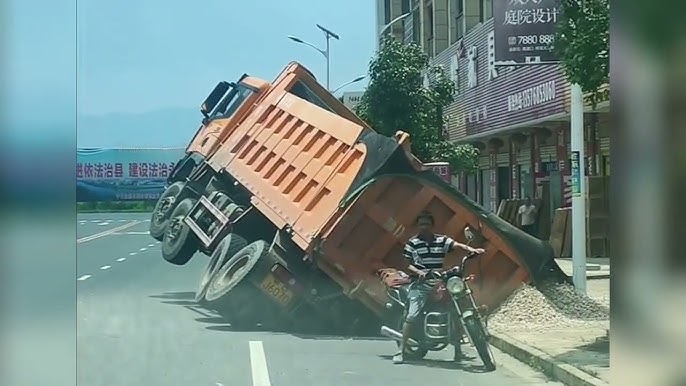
179, 243
237, 268
163, 210
226, 249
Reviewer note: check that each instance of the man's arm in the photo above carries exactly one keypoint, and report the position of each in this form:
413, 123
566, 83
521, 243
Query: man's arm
410, 253
453, 245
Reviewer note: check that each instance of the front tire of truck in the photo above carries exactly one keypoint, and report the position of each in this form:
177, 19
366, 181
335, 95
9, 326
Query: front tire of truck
163, 210
227, 248
179, 243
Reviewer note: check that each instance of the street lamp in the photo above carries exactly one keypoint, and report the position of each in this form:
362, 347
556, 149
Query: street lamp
359, 78
329, 34
387, 26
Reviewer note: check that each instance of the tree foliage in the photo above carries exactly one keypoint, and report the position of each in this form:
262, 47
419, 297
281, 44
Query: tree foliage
396, 99
582, 42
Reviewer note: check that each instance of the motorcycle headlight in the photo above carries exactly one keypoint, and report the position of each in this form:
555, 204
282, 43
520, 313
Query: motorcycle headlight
455, 285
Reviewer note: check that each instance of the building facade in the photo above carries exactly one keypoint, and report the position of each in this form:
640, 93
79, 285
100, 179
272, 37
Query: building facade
518, 117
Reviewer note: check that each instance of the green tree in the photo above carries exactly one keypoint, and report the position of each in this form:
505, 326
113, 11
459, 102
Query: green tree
582, 42
396, 99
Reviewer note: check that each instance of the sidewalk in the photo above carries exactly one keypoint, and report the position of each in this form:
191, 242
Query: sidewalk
596, 267
572, 351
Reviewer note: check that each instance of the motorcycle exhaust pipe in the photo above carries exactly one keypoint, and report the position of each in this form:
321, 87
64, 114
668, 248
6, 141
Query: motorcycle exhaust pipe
395, 335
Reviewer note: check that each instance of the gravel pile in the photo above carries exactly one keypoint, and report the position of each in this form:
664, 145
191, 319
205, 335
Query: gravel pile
555, 306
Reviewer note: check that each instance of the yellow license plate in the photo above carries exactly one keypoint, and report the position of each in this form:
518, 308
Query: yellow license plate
277, 290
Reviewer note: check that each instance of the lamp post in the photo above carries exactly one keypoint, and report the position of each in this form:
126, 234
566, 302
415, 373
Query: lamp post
359, 78
397, 19
328, 34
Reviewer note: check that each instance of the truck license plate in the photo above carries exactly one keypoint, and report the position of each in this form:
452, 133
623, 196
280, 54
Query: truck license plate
277, 290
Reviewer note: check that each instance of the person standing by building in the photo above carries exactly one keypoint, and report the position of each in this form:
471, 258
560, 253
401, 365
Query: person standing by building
526, 217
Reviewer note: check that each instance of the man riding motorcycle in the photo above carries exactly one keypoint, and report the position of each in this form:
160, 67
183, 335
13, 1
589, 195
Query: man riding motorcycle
426, 249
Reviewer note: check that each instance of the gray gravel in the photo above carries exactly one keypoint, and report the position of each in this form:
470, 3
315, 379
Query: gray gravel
555, 306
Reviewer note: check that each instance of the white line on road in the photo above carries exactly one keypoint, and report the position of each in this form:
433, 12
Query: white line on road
121, 259
107, 232
104, 223
132, 253
104, 267
143, 249
151, 245
122, 220
84, 277
258, 363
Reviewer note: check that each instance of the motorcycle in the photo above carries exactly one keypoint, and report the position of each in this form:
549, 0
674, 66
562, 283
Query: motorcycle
449, 313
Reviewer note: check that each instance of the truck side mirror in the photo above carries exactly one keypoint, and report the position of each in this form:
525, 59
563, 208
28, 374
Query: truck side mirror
215, 96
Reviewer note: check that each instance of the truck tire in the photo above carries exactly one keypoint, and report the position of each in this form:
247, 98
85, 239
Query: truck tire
226, 249
235, 269
179, 243
480, 340
163, 210
234, 297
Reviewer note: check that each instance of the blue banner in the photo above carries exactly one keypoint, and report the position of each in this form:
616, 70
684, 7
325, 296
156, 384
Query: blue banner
123, 174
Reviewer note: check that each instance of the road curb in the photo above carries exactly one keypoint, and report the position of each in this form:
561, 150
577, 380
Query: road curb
598, 276
557, 370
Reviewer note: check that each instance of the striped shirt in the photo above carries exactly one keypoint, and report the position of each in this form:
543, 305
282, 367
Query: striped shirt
430, 254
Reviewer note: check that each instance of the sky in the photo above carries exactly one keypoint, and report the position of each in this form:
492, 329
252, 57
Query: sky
133, 60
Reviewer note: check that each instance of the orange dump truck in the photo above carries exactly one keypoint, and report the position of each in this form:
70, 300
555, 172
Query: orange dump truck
298, 202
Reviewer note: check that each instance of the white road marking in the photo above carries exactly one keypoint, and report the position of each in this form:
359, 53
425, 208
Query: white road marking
107, 232
148, 220
151, 245
133, 253
121, 259
143, 249
122, 220
94, 221
258, 364
104, 267
84, 277
104, 223
146, 233
159, 242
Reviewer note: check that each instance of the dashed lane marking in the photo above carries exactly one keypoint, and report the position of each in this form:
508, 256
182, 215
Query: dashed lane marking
121, 259
84, 277
133, 253
143, 249
104, 267
258, 364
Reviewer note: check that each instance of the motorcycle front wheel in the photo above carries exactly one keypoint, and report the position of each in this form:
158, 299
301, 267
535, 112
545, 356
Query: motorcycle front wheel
480, 341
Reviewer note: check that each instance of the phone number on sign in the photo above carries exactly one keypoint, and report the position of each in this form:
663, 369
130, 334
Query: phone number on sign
531, 39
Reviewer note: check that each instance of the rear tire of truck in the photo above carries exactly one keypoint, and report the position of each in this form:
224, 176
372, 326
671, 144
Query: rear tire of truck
179, 243
227, 248
163, 210
235, 269
234, 297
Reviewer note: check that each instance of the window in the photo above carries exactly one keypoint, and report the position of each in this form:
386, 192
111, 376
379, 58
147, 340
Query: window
387, 12
456, 20
416, 26
404, 7
232, 101
430, 14
485, 9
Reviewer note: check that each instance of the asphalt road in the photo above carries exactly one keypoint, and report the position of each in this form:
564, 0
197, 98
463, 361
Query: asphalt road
138, 325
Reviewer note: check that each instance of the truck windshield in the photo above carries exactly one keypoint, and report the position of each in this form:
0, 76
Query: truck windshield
232, 101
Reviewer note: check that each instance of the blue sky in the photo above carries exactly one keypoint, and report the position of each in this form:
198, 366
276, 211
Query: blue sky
140, 57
